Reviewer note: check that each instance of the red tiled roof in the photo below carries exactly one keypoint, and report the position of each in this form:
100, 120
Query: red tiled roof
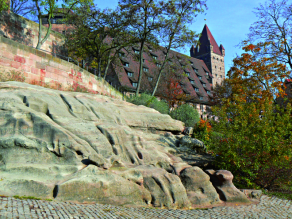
180, 64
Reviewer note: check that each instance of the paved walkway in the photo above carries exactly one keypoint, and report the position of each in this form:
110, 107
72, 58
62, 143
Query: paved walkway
268, 207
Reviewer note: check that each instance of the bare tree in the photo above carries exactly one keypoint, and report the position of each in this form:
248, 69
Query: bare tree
23, 8
273, 32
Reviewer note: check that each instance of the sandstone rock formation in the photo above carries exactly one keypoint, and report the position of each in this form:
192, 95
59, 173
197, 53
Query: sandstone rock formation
222, 181
84, 147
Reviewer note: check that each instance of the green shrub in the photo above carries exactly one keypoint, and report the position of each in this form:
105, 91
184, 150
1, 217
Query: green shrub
186, 114
149, 101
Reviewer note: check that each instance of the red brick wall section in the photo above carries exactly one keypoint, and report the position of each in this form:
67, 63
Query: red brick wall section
41, 67
26, 32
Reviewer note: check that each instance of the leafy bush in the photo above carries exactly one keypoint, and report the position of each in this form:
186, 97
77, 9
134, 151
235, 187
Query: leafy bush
149, 101
203, 132
254, 146
186, 114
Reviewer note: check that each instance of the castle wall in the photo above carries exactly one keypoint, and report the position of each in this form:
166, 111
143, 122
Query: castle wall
26, 32
217, 68
38, 66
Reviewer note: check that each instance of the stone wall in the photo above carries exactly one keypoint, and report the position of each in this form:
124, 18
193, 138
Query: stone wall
26, 32
38, 66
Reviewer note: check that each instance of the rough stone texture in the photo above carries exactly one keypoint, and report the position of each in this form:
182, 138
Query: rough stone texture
83, 147
199, 189
222, 181
192, 143
251, 193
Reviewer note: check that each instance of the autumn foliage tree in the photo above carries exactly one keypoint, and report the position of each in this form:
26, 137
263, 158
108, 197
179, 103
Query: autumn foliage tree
254, 143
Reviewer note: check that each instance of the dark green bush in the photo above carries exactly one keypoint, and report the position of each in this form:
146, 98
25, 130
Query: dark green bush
186, 114
149, 101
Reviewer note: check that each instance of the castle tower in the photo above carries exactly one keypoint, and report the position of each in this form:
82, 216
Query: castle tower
208, 50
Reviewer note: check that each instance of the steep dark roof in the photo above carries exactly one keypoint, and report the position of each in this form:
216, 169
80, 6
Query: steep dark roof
197, 84
206, 40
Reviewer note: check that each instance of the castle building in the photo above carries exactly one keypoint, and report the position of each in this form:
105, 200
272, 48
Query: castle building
213, 55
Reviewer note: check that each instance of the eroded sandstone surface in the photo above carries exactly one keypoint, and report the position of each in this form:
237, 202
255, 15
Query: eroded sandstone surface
82, 147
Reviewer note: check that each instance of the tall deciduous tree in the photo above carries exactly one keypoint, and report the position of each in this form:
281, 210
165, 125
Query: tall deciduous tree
98, 35
273, 30
148, 17
176, 34
255, 142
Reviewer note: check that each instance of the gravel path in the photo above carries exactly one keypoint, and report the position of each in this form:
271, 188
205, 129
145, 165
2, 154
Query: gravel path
268, 207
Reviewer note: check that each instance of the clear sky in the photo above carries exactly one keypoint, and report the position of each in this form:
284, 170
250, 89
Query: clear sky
228, 21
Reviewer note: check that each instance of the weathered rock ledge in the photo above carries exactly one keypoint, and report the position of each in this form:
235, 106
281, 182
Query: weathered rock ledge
92, 148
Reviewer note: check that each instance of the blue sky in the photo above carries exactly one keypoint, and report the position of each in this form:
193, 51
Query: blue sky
228, 21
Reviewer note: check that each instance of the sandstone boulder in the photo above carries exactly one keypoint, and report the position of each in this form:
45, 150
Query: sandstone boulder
222, 181
199, 189
82, 147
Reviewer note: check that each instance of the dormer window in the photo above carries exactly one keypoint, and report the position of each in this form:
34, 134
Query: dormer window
197, 89
134, 84
201, 98
136, 51
121, 54
208, 92
158, 65
143, 60
154, 57
126, 64
207, 73
204, 85
192, 64
145, 69
200, 77
150, 79
130, 74
192, 81
150, 49
187, 95
188, 74
196, 70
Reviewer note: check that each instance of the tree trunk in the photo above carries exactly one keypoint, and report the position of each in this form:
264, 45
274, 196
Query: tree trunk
41, 42
140, 69
160, 73
107, 65
99, 67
